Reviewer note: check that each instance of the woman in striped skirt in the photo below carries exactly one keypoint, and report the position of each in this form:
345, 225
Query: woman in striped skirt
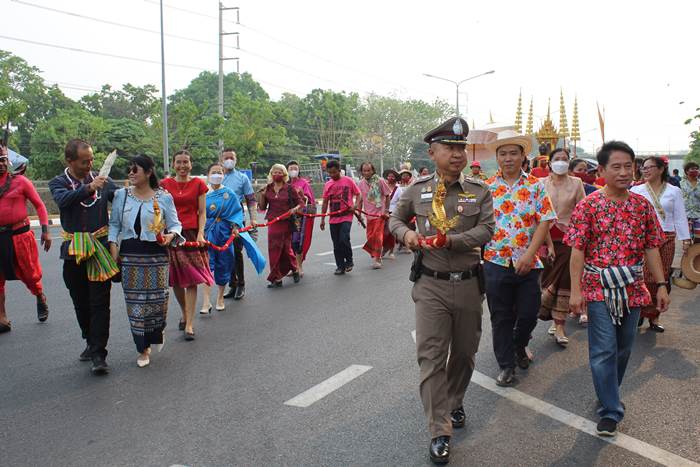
133, 228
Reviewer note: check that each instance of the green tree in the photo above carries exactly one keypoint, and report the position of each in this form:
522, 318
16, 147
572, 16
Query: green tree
133, 102
25, 100
394, 128
51, 136
694, 154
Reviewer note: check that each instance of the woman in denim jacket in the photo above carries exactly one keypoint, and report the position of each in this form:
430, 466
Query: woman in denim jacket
144, 261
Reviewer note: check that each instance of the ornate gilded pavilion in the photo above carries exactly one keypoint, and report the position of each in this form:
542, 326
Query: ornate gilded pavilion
548, 136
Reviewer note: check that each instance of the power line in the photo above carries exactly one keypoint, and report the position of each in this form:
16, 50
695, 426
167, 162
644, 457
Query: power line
124, 57
290, 45
93, 52
177, 36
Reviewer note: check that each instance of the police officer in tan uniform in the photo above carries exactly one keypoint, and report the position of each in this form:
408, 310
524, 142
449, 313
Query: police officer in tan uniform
447, 290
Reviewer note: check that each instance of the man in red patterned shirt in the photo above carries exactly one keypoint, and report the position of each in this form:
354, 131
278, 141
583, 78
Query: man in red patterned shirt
612, 233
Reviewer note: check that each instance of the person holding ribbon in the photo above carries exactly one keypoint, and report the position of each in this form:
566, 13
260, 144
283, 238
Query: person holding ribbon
668, 205
301, 240
224, 220
83, 200
612, 234
375, 198
19, 257
143, 223
565, 192
448, 283
189, 266
279, 198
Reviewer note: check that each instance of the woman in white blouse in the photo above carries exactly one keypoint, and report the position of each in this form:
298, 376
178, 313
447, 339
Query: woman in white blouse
670, 209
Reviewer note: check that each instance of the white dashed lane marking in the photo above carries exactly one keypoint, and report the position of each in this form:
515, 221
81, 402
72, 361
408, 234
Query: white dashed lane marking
326, 253
622, 440
326, 387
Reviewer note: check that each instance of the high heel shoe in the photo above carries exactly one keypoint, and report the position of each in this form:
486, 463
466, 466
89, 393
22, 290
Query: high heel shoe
159, 347
562, 340
204, 311
189, 336
142, 361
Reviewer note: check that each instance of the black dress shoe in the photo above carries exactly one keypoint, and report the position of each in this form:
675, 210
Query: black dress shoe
231, 292
5, 327
181, 326
296, 277
656, 327
274, 285
99, 365
240, 292
458, 417
506, 377
42, 309
440, 450
521, 358
85, 354
189, 336
339, 272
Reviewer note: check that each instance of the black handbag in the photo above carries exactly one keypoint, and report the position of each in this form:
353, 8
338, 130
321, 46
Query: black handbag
294, 219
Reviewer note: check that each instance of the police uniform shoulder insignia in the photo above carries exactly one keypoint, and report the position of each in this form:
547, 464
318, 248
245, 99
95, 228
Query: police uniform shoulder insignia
226, 195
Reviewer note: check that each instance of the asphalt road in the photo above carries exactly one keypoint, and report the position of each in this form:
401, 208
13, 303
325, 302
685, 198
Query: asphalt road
220, 399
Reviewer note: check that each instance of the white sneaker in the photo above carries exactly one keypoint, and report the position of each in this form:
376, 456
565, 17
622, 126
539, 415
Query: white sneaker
391, 255
552, 329
583, 320
376, 265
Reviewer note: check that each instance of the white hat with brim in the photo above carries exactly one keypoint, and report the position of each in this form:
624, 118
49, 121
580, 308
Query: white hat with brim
506, 137
690, 263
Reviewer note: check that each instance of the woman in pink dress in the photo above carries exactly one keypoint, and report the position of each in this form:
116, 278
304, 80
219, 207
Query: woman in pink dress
301, 240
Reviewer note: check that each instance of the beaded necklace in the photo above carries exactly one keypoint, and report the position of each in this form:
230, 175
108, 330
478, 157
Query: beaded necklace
95, 196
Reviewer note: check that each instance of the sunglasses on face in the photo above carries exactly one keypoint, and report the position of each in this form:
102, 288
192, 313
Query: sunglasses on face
134, 169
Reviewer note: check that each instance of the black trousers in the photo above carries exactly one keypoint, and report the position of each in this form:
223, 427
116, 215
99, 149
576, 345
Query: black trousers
91, 302
514, 302
342, 250
237, 276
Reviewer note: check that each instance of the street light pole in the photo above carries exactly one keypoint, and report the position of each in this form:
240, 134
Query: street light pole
166, 153
458, 83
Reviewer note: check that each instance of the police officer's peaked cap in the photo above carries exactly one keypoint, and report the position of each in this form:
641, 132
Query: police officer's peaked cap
453, 131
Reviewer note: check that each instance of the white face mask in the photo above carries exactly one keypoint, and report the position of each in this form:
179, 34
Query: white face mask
229, 164
293, 173
216, 179
560, 167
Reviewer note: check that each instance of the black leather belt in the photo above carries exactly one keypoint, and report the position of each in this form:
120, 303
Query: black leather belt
450, 276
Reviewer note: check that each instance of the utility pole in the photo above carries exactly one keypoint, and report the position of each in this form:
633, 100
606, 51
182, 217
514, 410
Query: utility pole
166, 150
222, 58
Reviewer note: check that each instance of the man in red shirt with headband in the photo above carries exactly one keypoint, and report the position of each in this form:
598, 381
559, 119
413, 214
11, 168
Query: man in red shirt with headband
19, 256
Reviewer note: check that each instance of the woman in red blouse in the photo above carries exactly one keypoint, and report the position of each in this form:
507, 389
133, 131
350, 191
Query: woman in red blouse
278, 197
189, 267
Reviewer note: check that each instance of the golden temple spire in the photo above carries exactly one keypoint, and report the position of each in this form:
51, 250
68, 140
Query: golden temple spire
549, 115
563, 124
519, 113
490, 117
528, 128
575, 131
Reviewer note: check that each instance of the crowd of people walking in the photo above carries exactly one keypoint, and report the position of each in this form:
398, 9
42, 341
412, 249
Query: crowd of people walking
557, 243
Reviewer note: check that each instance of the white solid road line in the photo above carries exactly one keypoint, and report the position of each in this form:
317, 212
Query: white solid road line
326, 253
326, 387
622, 440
